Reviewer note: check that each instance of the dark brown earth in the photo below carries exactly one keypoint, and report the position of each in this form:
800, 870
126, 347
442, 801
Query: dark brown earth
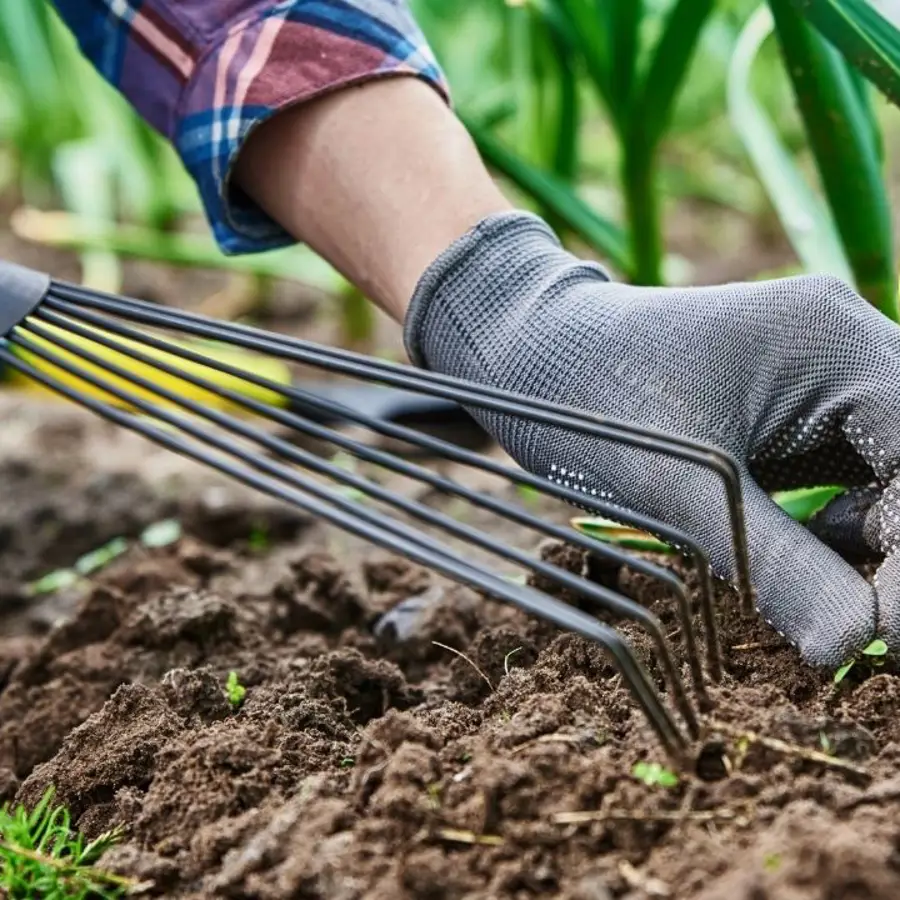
363, 763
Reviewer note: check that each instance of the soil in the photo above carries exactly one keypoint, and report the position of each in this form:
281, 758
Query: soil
366, 761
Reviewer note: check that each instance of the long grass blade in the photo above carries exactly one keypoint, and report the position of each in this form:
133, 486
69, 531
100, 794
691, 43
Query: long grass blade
71, 232
867, 32
554, 194
560, 57
668, 66
841, 131
624, 30
806, 219
590, 23
84, 174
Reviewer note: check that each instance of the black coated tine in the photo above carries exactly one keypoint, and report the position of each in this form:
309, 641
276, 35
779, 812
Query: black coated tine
600, 596
451, 451
363, 451
367, 524
456, 390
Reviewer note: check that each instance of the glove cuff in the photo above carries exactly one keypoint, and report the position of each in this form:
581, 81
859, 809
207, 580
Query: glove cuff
475, 268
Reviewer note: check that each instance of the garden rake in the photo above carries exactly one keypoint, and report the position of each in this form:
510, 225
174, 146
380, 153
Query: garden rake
170, 376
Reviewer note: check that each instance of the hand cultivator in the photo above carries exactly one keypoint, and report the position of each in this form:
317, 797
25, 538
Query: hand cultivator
118, 358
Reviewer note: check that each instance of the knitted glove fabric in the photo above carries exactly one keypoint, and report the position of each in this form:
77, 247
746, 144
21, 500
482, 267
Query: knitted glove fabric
796, 378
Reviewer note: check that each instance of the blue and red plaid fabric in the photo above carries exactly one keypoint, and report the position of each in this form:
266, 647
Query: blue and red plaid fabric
206, 72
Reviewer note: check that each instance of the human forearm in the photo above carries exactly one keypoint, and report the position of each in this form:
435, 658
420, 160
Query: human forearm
378, 178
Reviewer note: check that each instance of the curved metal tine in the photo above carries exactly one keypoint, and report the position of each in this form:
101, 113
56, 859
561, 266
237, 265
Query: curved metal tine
602, 597
459, 391
378, 529
452, 451
420, 473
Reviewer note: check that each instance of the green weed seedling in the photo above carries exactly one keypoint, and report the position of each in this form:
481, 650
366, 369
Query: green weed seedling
234, 690
654, 775
259, 539
162, 534
41, 857
86, 565
874, 655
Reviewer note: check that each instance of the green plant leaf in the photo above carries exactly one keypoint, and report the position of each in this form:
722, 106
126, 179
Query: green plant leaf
101, 557
590, 24
876, 648
867, 32
70, 232
234, 690
800, 504
803, 503
841, 673
842, 134
622, 535
669, 65
83, 171
557, 196
625, 17
53, 581
564, 137
161, 534
805, 218
654, 775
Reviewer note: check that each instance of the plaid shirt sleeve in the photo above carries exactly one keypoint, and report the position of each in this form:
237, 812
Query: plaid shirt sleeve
205, 73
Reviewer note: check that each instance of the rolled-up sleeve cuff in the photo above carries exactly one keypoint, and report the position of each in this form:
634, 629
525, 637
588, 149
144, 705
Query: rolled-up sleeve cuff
292, 53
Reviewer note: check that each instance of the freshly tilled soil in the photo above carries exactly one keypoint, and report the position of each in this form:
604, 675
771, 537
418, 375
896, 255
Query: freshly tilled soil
366, 761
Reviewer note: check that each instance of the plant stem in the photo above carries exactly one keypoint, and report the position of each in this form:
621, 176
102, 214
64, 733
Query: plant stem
642, 209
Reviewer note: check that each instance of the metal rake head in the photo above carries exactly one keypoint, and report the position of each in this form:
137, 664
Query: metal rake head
117, 357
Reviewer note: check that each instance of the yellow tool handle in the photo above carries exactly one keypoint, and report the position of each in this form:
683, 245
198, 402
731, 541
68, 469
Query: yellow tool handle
260, 366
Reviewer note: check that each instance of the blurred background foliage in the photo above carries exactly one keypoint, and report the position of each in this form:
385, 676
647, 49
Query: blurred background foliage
660, 136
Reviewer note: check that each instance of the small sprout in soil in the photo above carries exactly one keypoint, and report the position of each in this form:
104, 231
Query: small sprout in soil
259, 538
348, 762
434, 795
86, 565
53, 581
40, 856
162, 534
772, 862
874, 653
101, 557
654, 775
825, 743
507, 658
466, 757
234, 690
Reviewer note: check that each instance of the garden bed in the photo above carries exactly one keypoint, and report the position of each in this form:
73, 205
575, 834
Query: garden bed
364, 764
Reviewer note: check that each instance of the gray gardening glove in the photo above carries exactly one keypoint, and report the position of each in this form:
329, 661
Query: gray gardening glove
799, 379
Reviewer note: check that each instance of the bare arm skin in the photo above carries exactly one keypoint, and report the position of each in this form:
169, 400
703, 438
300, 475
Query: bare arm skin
379, 179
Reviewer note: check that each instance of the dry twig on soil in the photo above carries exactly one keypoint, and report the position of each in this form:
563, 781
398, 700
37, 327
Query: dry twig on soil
793, 750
